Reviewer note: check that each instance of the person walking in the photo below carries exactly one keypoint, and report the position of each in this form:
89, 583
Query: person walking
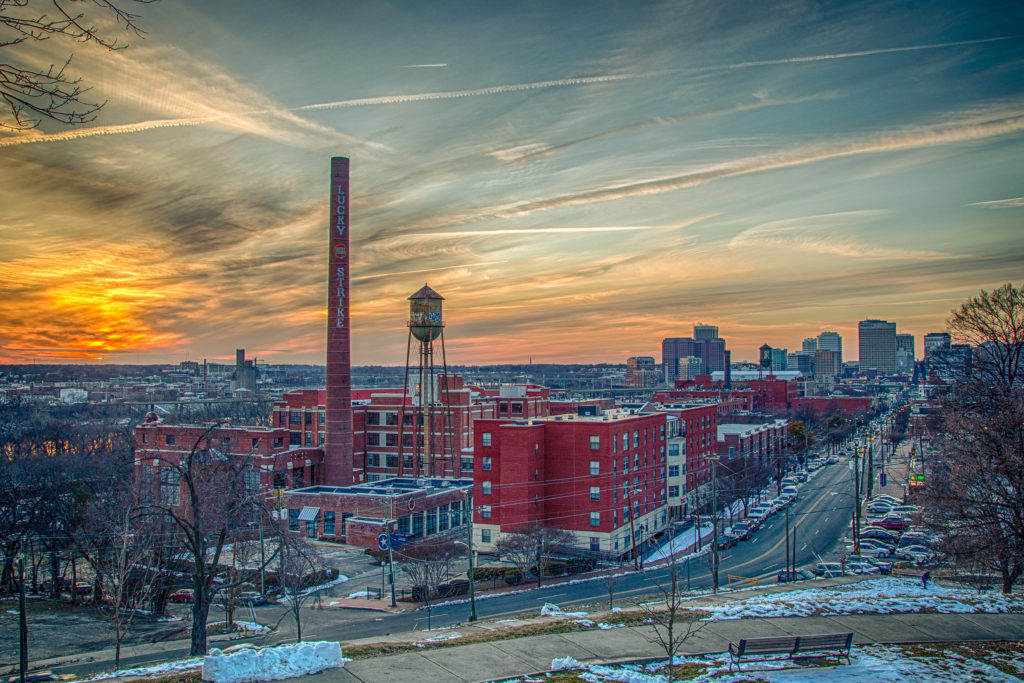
924, 579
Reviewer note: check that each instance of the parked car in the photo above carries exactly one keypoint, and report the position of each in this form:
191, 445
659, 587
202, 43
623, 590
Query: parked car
892, 522
183, 595
886, 498
759, 512
828, 569
905, 510
798, 575
83, 588
42, 676
251, 599
741, 530
726, 541
790, 492
918, 554
861, 567
880, 534
880, 506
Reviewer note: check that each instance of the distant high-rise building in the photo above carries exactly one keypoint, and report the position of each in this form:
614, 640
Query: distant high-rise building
827, 365
936, 341
702, 332
801, 361
877, 346
710, 351
641, 371
831, 341
779, 359
689, 367
810, 345
904, 353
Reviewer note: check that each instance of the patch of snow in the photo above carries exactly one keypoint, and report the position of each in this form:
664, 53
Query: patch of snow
565, 663
359, 594
272, 663
441, 638
316, 589
584, 622
155, 670
552, 610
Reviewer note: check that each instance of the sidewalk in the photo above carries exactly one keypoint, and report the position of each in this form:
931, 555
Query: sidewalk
531, 655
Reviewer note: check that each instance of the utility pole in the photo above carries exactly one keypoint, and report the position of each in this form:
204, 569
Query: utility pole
263, 557
540, 565
871, 469
789, 574
472, 578
23, 619
391, 557
714, 524
856, 503
632, 531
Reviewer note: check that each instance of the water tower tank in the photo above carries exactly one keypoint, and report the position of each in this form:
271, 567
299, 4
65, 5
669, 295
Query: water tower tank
425, 321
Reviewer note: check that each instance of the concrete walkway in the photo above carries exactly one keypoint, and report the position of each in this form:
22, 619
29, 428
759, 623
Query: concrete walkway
522, 656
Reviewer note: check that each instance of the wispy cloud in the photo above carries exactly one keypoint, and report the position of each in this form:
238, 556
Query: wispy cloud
530, 231
397, 273
1011, 203
423, 66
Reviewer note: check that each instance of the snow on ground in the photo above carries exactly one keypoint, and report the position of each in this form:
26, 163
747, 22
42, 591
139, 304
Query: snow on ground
552, 610
155, 670
315, 589
359, 594
271, 663
249, 626
684, 540
884, 595
868, 663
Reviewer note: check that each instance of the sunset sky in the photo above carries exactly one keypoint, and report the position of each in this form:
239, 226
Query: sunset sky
578, 179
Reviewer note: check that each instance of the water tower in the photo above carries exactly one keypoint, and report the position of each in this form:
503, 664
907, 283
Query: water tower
430, 416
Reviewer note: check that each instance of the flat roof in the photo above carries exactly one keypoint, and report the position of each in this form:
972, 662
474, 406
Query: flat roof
390, 487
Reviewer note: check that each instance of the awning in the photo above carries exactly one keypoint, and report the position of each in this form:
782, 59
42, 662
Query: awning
308, 514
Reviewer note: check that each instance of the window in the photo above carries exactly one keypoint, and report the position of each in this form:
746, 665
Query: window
431, 516
673, 470
625, 514
391, 439
615, 517
615, 444
309, 418
595, 467
595, 493
673, 491
320, 438
392, 460
169, 439
373, 418
485, 439
391, 419
595, 519
170, 489
373, 460
311, 528
625, 440
146, 482
328, 521
485, 488
252, 481
485, 464
373, 439
662, 432
615, 494
295, 438
309, 438
485, 511
615, 467
517, 408
485, 535
295, 417
595, 442
293, 519
636, 438
595, 543
321, 418
255, 443
625, 464
467, 464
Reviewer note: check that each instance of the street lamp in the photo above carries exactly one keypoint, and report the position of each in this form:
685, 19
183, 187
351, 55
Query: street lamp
714, 523
469, 549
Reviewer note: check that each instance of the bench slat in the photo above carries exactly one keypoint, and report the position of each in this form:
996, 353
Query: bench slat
790, 645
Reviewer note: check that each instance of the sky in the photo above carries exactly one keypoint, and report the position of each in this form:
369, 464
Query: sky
579, 180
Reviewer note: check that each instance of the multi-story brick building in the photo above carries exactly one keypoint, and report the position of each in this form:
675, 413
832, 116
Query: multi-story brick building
593, 476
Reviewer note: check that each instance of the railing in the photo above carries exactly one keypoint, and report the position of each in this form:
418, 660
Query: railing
753, 581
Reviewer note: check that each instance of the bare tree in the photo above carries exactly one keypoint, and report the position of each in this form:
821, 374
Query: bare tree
301, 562
974, 485
526, 547
32, 93
212, 498
429, 564
672, 624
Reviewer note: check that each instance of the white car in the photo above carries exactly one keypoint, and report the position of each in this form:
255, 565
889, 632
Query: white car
759, 513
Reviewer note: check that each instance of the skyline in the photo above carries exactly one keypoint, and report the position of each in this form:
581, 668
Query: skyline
577, 183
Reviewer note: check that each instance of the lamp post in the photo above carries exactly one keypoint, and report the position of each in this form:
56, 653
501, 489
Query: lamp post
714, 524
23, 620
469, 548
632, 529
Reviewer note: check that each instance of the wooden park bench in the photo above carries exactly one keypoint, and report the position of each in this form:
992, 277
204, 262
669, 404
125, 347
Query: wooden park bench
765, 649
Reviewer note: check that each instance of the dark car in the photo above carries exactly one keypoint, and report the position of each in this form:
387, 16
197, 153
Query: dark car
183, 595
251, 598
725, 541
895, 523
798, 575
879, 534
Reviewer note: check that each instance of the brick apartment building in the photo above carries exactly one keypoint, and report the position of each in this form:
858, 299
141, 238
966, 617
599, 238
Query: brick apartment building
590, 475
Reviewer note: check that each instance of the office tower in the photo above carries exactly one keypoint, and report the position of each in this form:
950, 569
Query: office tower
702, 332
779, 359
936, 341
826, 364
904, 353
801, 361
831, 341
672, 349
810, 345
641, 372
877, 346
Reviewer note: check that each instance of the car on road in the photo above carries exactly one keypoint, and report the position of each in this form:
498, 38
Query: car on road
41, 676
798, 575
892, 522
828, 570
789, 492
759, 511
251, 599
183, 595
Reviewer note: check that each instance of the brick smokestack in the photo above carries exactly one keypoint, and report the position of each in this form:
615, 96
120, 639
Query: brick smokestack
338, 443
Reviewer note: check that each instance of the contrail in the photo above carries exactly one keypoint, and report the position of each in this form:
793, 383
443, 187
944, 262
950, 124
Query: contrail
25, 139
860, 53
425, 270
452, 94
528, 231
423, 66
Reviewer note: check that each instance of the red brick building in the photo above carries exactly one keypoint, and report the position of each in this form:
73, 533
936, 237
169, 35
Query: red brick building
414, 509
820, 406
590, 475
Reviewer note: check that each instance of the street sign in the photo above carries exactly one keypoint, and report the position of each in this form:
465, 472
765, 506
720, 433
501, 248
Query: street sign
382, 542
881, 478
398, 540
